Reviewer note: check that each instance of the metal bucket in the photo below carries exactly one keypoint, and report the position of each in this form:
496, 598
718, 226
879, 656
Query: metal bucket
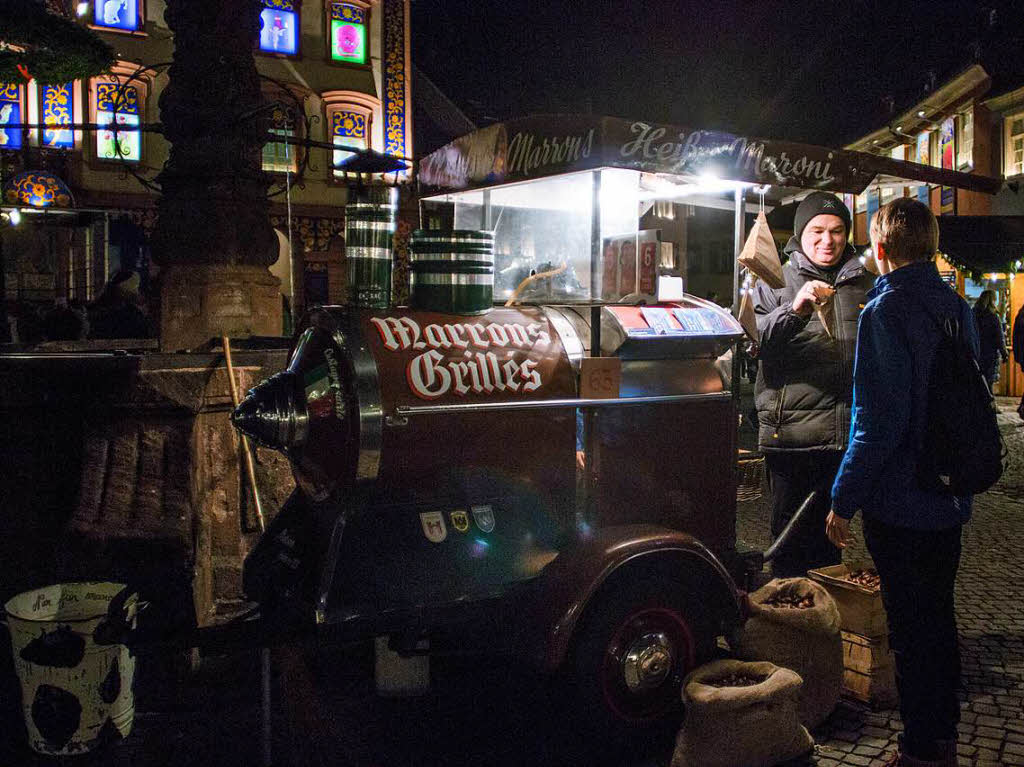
452, 287
466, 247
441, 236
369, 228
76, 693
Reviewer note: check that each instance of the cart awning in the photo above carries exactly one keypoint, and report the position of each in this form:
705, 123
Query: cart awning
548, 145
982, 244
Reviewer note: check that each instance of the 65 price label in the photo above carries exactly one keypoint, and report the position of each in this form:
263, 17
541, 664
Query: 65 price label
600, 377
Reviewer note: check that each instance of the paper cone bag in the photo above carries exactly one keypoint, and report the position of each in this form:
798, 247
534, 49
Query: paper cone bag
826, 310
747, 317
760, 256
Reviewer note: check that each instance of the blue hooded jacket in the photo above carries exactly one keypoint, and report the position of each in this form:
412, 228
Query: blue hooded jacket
896, 346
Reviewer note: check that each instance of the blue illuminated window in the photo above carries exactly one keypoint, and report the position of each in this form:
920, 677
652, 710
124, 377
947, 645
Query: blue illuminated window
10, 114
116, 14
279, 27
58, 108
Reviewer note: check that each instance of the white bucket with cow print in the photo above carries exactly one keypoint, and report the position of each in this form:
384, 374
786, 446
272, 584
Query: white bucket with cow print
76, 694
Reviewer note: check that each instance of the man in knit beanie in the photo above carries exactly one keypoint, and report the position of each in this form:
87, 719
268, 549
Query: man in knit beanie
805, 378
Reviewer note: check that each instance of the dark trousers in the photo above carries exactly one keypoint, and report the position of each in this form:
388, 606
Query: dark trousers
918, 570
791, 477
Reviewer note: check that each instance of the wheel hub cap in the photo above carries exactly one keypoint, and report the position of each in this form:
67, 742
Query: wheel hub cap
648, 662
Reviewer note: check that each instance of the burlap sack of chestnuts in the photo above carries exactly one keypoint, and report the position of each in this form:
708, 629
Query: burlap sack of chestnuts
794, 623
740, 715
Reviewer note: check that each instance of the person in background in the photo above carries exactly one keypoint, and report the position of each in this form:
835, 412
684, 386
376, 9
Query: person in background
805, 378
990, 333
912, 534
118, 313
65, 323
1018, 338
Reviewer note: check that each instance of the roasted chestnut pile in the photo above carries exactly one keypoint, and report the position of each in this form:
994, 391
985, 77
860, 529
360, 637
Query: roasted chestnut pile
794, 601
737, 680
867, 578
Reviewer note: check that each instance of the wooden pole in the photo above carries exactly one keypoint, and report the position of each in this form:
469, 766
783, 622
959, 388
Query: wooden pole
250, 464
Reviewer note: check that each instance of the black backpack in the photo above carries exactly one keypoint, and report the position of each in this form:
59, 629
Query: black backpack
961, 452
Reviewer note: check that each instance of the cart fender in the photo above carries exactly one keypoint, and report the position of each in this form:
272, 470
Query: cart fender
574, 579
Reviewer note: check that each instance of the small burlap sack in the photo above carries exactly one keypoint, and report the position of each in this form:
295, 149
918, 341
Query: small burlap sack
751, 726
806, 640
760, 255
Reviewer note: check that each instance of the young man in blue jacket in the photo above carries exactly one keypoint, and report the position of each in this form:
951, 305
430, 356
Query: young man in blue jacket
913, 535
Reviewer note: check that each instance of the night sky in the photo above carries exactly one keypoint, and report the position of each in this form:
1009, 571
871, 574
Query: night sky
809, 71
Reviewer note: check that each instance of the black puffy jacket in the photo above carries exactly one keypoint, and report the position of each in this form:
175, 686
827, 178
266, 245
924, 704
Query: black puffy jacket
804, 383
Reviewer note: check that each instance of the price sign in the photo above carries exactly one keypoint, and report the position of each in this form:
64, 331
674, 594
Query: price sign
600, 377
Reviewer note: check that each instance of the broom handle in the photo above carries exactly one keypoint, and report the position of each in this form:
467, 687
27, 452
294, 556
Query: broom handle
250, 465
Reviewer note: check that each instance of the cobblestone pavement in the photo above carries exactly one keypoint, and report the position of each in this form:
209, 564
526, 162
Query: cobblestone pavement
990, 614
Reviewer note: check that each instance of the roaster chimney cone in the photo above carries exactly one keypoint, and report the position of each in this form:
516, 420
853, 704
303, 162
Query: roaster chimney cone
273, 414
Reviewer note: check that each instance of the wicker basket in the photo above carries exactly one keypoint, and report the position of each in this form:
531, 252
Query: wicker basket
750, 477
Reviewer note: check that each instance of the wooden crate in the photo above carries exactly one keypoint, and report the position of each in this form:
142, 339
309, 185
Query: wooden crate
860, 609
868, 672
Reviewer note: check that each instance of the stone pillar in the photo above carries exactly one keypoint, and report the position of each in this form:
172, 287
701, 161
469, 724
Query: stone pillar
213, 240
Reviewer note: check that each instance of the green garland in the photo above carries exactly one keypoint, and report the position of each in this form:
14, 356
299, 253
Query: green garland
54, 51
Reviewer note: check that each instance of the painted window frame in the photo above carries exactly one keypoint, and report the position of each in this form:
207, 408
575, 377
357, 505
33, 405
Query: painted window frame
24, 136
120, 72
1009, 171
37, 109
140, 20
297, 56
272, 92
349, 101
367, 9
964, 142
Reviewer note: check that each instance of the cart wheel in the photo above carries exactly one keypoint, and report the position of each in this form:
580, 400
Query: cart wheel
633, 650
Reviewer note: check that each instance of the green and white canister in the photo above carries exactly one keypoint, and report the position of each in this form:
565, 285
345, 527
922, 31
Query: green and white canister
369, 229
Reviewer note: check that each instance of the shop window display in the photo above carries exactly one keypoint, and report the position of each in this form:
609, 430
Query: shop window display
10, 114
117, 108
279, 25
348, 33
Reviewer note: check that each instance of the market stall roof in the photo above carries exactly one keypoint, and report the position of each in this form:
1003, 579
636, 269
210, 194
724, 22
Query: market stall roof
982, 244
546, 145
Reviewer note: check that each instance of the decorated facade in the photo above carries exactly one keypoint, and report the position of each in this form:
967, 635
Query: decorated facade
335, 73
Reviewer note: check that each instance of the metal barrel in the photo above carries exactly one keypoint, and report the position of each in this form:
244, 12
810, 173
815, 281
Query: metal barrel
452, 287
469, 247
369, 228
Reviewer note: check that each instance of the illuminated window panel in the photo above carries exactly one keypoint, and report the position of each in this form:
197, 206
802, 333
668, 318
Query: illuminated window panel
116, 141
279, 23
348, 129
116, 14
348, 33
279, 157
58, 110
10, 114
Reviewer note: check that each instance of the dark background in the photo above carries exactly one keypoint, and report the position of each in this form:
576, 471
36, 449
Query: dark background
823, 72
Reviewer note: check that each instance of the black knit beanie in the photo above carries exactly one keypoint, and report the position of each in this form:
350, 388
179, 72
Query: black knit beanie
815, 204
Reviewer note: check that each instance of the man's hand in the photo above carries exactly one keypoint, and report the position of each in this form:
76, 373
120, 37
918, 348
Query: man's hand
580, 460
813, 292
838, 530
